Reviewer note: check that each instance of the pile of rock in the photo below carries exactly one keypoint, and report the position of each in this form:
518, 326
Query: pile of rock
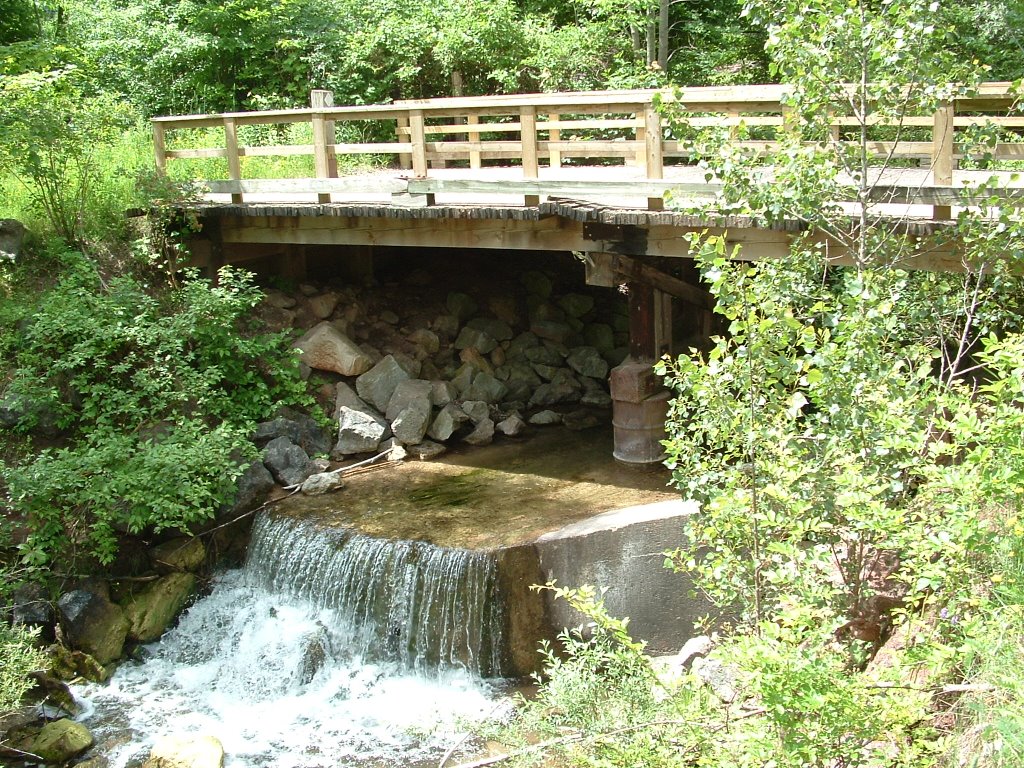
441, 373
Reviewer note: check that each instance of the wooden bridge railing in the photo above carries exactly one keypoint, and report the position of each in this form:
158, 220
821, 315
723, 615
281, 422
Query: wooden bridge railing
554, 130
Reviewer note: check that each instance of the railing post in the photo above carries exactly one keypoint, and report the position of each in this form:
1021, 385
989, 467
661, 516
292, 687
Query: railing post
555, 134
401, 128
160, 147
419, 143
528, 138
942, 155
234, 161
654, 155
473, 137
323, 140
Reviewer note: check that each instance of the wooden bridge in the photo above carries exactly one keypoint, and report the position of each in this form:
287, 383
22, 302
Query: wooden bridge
575, 172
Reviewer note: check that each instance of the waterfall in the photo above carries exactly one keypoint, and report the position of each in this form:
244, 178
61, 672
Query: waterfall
426, 607
329, 648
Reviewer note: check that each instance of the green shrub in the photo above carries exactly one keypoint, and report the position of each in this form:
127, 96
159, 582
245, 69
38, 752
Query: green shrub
156, 395
18, 657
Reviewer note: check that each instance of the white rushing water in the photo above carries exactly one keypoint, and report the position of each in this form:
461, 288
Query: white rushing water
328, 649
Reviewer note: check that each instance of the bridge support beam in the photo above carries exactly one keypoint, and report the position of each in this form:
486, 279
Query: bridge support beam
639, 401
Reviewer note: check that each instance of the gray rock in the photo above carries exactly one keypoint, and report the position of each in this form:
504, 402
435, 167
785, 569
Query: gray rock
323, 306
408, 364
486, 388
301, 429
587, 361
276, 319
545, 311
537, 283
287, 462
471, 356
32, 608
576, 304
461, 306
719, 677
359, 431
554, 392
482, 434
511, 426
325, 348
279, 299
600, 336
426, 450
544, 355
545, 418
546, 372
308, 290
477, 410
411, 423
496, 329
426, 340
478, 340
442, 393
93, 624
407, 393
253, 485
346, 397
694, 648
389, 317
378, 384
518, 346
12, 235
463, 380
446, 326
447, 421
321, 483
553, 330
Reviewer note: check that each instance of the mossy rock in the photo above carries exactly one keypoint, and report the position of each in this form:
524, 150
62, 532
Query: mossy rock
66, 664
61, 740
152, 611
180, 554
54, 692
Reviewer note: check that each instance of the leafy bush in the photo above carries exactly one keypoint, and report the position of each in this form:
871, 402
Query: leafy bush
157, 395
18, 657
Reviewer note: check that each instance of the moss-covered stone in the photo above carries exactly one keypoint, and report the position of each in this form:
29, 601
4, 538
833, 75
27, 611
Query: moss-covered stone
151, 611
61, 740
93, 624
66, 664
180, 554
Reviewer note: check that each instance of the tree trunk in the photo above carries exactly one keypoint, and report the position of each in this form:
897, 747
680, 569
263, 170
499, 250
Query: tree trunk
663, 28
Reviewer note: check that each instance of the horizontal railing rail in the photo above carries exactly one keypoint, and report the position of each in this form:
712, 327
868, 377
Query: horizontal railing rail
532, 132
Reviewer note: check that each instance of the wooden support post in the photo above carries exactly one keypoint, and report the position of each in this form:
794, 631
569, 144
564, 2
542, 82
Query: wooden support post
404, 161
654, 159
474, 138
160, 147
640, 160
323, 140
555, 134
234, 162
662, 323
528, 138
642, 344
211, 229
292, 264
419, 144
942, 155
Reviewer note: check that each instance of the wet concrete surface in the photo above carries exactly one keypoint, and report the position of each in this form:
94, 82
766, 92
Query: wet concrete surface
504, 494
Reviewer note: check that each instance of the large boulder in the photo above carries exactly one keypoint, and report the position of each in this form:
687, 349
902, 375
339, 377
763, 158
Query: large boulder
151, 611
460, 305
326, 348
253, 485
409, 410
287, 462
301, 429
178, 554
487, 388
496, 329
476, 339
378, 384
482, 434
186, 752
359, 431
93, 624
60, 741
587, 361
32, 608
450, 418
